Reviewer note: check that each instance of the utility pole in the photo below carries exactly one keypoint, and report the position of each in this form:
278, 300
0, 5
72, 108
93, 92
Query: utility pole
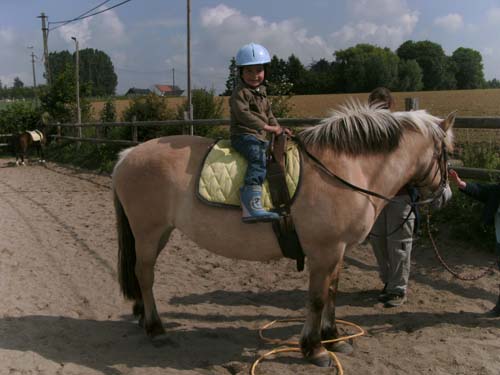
45, 33
33, 65
189, 103
173, 78
77, 74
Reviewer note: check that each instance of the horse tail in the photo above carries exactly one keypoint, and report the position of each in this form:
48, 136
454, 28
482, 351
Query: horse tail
126, 254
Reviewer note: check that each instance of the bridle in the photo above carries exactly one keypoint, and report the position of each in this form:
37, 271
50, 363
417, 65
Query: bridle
441, 156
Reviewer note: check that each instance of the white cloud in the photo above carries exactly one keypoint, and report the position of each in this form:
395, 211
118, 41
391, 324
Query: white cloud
488, 51
378, 9
100, 31
451, 22
384, 23
6, 37
227, 29
493, 16
380, 34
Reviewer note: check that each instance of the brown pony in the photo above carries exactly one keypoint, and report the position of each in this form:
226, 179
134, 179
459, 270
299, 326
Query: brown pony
376, 150
23, 141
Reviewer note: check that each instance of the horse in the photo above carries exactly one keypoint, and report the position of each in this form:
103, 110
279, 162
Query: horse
353, 162
23, 141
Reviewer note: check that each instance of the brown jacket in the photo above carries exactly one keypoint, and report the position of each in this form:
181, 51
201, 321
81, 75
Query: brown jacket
250, 111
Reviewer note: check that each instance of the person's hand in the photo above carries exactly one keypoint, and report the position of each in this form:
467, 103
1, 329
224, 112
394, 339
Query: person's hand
273, 129
288, 131
456, 179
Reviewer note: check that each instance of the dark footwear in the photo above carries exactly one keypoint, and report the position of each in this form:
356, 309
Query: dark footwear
382, 297
395, 299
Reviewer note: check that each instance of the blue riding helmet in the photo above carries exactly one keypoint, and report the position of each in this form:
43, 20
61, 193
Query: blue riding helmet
252, 54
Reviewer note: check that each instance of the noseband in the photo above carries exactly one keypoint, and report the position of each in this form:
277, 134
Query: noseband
441, 156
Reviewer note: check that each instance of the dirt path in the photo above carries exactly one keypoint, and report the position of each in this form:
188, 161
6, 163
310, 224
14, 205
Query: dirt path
62, 312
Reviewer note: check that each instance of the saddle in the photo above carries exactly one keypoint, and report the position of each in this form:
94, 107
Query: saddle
36, 135
284, 228
222, 175
223, 171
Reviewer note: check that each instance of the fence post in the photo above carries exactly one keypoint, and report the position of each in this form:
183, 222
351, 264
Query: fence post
411, 104
134, 130
58, 134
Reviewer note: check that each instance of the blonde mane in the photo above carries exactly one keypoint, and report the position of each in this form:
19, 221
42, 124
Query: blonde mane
358, 129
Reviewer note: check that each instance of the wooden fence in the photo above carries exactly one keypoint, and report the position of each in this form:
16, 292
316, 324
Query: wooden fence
4, 139
460, 123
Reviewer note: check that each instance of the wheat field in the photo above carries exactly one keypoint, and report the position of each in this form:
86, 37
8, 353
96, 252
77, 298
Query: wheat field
439, 103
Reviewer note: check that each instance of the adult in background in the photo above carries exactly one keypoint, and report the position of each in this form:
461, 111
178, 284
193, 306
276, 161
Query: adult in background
391, 235
489, 194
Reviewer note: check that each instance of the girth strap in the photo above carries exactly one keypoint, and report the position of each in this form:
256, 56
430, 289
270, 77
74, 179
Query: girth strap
284, 228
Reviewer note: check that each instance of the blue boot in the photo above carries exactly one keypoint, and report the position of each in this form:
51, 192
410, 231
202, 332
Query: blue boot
251, 205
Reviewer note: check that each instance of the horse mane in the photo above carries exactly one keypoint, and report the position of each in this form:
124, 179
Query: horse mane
359, 129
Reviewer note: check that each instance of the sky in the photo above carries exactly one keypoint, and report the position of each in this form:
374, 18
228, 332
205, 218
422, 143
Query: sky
147, 39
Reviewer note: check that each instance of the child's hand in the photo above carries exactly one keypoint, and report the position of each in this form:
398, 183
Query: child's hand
456, 179
273, 129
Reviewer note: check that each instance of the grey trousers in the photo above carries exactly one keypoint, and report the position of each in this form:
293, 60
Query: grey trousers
392, 242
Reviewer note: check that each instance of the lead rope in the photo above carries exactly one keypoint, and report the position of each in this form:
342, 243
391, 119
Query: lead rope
460, 276
296, 346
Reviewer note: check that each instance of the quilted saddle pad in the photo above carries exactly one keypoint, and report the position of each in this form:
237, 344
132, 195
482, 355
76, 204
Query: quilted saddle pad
36, 135
223, 172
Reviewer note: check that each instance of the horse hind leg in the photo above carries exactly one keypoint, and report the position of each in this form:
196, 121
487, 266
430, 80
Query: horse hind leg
136, 260
147, 250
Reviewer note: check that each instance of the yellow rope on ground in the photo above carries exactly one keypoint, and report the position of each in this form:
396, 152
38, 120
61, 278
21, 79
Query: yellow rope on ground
295, 344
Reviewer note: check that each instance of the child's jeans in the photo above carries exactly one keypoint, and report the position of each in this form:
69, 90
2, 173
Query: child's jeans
254, 151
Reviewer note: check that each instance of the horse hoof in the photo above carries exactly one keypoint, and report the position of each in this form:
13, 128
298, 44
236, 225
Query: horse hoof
140, 322
322, 360
341, 347
495, 312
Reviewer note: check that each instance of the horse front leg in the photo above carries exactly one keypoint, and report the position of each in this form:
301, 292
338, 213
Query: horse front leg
320, 273
329, 330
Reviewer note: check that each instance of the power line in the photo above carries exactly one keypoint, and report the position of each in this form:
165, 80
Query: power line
83, 14
89, 15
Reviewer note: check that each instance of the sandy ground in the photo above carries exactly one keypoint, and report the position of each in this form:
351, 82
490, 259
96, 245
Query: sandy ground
62, 312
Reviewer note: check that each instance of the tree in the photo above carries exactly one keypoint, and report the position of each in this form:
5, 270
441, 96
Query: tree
232, 79
365, 67
320, 78
409, 76
431, 58
469, 66
206, 105
449, 80
59, 61
493, 84
108, 113
276, 73
296, 74
97, 72
58, 98
18, 84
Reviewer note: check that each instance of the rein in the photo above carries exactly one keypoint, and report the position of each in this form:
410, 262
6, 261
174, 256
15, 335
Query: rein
461, 276
328, 172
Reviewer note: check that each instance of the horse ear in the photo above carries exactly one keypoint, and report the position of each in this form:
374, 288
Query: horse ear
449, 121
